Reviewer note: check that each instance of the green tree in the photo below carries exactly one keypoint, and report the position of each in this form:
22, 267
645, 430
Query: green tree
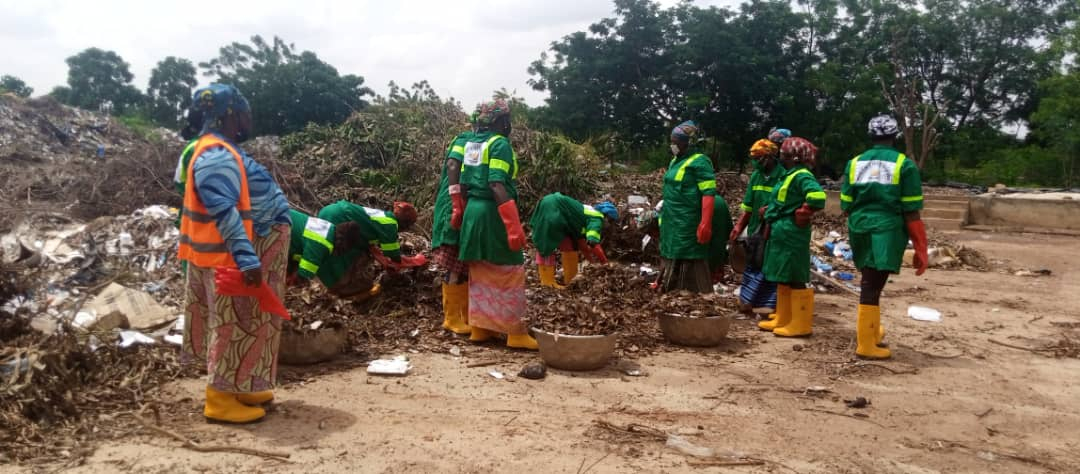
287, 90
100, 79
1057, 122
169, 92
15, 86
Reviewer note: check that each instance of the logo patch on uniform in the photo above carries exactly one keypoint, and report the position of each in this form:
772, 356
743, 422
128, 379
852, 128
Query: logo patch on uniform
374, 212
474, 153
318, 226
874, 171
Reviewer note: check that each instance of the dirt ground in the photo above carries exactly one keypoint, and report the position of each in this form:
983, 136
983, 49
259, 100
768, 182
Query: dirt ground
949, 401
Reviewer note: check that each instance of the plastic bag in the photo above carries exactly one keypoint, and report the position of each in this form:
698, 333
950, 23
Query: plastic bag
230, 282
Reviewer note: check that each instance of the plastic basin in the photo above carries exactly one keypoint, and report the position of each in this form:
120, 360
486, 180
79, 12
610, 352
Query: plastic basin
575, 352
696, 332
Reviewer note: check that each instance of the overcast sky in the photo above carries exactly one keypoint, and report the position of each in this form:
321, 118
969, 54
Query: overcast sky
465, 48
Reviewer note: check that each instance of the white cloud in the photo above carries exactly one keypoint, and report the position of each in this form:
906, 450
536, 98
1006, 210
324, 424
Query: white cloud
464, 48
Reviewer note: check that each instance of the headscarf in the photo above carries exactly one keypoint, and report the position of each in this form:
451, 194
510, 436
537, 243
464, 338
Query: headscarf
488, 112
216, 102
405, 213
608, 209
763, 147
778, 135
800, 149
685, 131
882, 126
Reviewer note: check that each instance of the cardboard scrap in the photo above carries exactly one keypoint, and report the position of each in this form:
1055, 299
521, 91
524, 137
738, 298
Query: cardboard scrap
140, 309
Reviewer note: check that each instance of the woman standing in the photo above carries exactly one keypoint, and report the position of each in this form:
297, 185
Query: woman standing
491, 235
757, 293
565, 224
687, 215
445, 232
234, 216
882, 194
787, 250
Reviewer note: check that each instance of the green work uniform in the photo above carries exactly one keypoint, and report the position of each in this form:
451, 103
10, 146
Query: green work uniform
759, 192
721, 228
879, 186
557, 217
311, 248
688, 178
377, 227
180, 176
441, 232
787, 252
488, 159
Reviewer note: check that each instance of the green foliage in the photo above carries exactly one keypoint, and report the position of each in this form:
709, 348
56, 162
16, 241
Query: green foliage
15, 86
141, 124
552, 162
1057, 122
818, 67
169, 92
99, 80
287, 90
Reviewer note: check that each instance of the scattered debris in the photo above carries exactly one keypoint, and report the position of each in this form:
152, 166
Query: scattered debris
857, 402
922, 313
397, 366
533, 371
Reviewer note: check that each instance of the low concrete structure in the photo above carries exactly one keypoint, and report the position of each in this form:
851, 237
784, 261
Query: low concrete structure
1026, 210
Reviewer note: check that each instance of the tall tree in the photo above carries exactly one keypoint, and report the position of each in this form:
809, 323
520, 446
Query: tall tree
287, 90
1057, 122
15, 86
169, 92
99, 79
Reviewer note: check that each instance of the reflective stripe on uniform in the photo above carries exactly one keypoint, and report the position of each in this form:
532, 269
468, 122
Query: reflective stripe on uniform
846, 198
308, 266
458, 149
899, 168
318, 238
317, 230
389, 247
759, 187
911, 198
876, 171
593, 234
590, 211
782, 196
203, 247
818, 195
204, 218
679, 175
745, 207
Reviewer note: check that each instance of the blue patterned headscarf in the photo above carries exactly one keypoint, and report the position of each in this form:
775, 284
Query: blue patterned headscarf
685, 131
778, 135
608, 209
216, 102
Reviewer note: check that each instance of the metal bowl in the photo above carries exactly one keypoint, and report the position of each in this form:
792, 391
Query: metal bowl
695, 332
575, 352
311, 347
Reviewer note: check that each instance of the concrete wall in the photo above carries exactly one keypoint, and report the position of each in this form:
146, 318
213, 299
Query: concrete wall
1020, 211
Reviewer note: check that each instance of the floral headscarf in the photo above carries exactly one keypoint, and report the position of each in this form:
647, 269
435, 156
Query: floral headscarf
778, 135
800, 149
763, 147
216, 102
488, 112
685, 131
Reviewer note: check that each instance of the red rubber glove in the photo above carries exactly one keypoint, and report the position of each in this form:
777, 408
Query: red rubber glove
457, 199
744, 220
803, 215
515, 235
704, 229
598, 254
917, 234
231, 282
582, 247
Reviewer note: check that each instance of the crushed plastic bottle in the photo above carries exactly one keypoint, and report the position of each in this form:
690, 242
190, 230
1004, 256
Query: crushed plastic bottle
842, 276
820, 265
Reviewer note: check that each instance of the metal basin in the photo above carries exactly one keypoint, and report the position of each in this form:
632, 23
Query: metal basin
311, 347
695, 332
575, 352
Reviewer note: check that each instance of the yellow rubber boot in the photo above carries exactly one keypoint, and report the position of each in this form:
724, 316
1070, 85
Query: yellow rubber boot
479, 334
881, 334
570, 261
522, 341
223, 407
547, 277
255, 398
783, 309
455, 297
867, 330
802, 315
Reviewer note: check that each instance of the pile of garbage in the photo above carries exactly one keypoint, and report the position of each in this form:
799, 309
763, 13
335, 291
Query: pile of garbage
615, 298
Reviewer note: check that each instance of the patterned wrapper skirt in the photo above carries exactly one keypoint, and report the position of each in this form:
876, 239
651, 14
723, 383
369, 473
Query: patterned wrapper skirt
446, 257
686, 274
497, 297
237, 342
756, 291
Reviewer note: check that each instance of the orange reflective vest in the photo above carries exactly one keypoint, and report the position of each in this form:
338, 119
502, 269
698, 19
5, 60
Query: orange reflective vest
200, 241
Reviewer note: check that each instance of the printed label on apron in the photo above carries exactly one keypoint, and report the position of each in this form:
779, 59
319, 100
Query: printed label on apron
474, 154
318, 226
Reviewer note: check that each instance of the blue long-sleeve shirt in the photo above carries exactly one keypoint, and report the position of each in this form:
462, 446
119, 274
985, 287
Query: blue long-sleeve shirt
217, 182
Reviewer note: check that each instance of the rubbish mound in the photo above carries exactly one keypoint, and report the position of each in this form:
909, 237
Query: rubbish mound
62, 159
606, 299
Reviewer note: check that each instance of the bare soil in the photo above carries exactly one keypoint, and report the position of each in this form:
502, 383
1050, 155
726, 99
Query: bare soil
949, 401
